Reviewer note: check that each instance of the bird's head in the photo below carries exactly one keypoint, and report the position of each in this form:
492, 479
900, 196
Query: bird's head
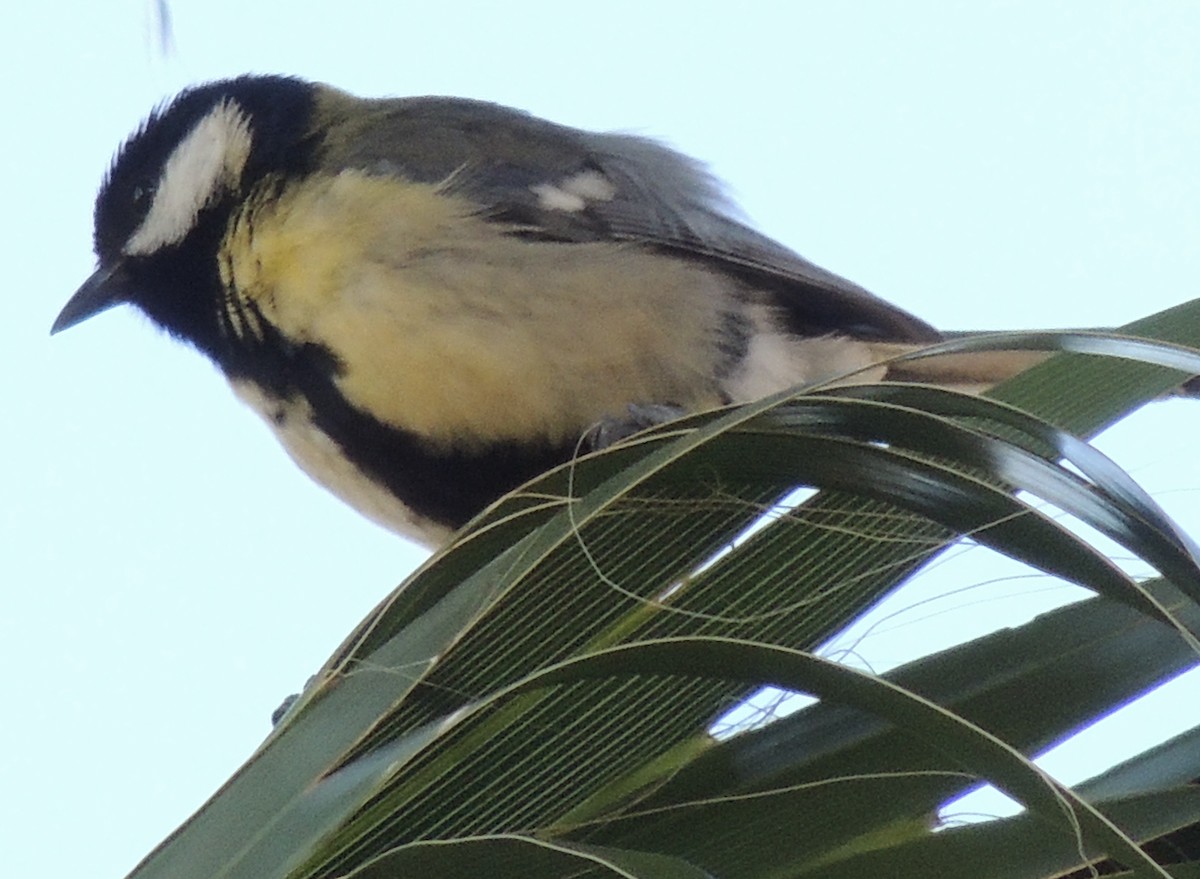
164, 205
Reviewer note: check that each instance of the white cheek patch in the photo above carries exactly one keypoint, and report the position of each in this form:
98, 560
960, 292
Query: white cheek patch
572, 194
208, 161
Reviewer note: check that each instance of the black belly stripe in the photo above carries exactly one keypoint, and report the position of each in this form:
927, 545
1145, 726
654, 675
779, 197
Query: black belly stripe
445, 486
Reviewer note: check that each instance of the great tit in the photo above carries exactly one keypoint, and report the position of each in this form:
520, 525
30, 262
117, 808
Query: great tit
431, 300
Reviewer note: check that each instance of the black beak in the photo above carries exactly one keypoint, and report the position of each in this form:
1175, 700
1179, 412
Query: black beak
108, 286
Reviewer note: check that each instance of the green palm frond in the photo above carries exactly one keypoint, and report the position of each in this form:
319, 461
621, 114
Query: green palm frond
538, 699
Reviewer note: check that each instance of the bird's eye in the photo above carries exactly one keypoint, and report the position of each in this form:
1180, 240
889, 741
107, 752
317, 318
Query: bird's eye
141, 194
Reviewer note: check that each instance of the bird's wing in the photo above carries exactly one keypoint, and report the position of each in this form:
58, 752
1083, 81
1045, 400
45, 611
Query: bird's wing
667, 200
553, 182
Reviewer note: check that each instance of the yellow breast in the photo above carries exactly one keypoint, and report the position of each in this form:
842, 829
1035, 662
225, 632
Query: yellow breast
447, 325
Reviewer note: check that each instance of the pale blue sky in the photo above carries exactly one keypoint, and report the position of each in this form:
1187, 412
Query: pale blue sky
168, 574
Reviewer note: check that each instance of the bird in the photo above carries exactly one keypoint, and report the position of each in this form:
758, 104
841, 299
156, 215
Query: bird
431, 300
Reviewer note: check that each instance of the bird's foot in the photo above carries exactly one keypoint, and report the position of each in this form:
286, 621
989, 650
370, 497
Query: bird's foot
639, 417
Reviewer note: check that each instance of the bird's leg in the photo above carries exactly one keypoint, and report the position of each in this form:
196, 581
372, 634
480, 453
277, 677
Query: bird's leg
639, 417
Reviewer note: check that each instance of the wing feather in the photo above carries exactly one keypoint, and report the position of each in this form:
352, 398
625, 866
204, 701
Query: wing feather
512, 165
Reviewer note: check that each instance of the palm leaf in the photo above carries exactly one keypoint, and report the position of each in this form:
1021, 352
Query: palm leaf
536, 699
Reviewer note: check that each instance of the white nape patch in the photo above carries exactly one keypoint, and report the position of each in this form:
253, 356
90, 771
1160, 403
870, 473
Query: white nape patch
208, 161
573, 193
321, 458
